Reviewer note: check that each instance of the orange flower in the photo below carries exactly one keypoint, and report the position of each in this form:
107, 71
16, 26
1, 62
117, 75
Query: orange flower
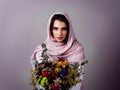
62, 63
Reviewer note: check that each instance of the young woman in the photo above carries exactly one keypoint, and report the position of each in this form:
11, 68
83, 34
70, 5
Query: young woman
61, 42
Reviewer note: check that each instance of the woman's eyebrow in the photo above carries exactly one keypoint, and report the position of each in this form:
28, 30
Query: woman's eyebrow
55, 27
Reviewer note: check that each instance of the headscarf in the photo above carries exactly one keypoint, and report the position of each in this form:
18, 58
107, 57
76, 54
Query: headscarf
73, 51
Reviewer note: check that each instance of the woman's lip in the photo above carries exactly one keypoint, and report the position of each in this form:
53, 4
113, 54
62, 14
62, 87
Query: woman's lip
59, 37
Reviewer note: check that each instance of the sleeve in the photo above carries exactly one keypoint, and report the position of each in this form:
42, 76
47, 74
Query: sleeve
36, 56
81, 53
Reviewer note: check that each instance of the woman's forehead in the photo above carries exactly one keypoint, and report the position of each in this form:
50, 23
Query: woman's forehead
58, 23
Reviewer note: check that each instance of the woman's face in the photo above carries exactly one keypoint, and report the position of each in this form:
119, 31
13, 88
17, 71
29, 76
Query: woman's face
59, 31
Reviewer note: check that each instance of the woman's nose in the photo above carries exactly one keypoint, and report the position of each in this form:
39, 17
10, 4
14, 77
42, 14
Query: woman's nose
59, 32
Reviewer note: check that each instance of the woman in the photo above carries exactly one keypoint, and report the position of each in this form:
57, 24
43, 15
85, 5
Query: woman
61, 42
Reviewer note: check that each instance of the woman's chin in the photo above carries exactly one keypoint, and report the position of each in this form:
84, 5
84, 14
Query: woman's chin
59, 40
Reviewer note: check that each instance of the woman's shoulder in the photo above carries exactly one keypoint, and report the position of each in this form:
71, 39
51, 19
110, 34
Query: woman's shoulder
78, 45
81, 46
37, 49
40, 46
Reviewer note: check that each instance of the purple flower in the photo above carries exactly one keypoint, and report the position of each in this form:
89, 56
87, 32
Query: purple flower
64, 72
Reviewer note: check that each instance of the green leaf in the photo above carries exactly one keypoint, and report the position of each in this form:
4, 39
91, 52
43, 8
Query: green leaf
43, 45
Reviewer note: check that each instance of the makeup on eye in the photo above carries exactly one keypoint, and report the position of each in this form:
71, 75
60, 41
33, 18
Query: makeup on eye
63, 28
55, 28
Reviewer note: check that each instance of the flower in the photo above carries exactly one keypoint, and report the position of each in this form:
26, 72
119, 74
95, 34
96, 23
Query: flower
55, 87
44, 73
55, 75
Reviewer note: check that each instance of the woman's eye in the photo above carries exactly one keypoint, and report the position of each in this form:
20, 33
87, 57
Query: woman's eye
65, 29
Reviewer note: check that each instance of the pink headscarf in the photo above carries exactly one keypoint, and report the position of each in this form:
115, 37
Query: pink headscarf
73, 51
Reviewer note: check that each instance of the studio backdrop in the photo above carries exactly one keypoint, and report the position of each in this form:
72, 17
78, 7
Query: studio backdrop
23, 26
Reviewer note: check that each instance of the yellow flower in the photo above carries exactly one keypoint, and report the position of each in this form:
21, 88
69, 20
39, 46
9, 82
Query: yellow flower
62, 63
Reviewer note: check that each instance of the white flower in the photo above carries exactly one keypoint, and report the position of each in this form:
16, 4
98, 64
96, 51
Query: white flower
40, 87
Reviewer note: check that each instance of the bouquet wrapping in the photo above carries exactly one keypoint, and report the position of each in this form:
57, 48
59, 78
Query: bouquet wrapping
55, 75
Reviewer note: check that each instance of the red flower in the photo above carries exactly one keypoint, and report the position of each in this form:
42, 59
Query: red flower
54, 73
55, 87
44, 73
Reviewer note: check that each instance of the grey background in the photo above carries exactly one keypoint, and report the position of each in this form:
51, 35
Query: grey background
23, 26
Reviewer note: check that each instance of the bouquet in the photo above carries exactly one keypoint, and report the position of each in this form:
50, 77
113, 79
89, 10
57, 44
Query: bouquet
55, 75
